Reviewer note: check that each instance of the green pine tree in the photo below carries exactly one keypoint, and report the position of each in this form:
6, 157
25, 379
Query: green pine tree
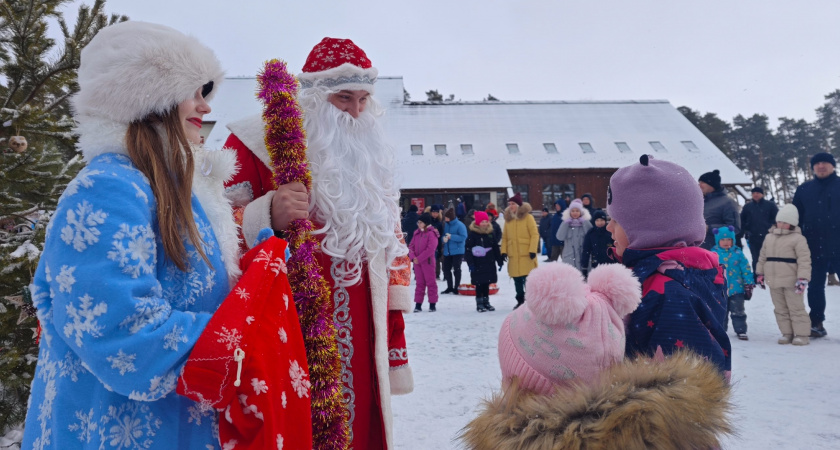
39, 75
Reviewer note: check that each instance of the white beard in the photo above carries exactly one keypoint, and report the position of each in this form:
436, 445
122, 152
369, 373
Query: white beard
354, 194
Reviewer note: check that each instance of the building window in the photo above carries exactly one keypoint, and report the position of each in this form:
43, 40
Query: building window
417, 150
522, 190
550, 147
623, 147
657, 146
586, 147
513, 149
440, 149
466, 149
552, 192
690, 146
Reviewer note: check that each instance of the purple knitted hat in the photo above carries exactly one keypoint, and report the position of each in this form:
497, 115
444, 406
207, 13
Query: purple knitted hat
658, 203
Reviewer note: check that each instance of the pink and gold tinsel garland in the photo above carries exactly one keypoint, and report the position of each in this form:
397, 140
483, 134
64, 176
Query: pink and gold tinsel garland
285, 141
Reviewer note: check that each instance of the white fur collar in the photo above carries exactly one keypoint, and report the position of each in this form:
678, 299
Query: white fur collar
251, 131
212, 169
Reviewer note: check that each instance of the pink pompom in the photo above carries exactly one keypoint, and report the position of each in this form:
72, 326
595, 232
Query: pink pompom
618, 284
555, 293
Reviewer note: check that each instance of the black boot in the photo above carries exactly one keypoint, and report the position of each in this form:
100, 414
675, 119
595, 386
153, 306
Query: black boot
479, 304
432, 307
487, 304
418, 307
520, 299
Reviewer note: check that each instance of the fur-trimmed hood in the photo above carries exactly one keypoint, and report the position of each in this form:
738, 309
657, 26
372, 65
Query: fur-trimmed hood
681, 402
487, 228
584, 215
521, 212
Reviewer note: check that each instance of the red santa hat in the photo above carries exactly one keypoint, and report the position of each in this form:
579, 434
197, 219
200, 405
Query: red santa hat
338, 64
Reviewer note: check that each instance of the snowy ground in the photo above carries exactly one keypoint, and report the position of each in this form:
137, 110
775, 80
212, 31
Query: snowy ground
785, 397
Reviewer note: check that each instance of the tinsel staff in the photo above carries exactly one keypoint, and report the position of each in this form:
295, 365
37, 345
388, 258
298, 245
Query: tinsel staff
286, 143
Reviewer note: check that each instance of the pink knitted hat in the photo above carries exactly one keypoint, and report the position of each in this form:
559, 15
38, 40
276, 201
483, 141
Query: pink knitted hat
567, 330
481, 216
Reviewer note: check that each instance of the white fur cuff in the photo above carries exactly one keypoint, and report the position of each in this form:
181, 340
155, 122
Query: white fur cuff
400, 298
257, 216
402, 380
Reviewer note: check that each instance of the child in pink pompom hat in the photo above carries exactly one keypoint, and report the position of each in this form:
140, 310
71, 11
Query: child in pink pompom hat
569, 330
566, 384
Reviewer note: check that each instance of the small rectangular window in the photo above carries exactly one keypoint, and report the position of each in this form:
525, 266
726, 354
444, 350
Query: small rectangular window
550, 147
657, 146
690, 146
440, 149
417, 150
623, 147
513, 149
466, 149
586, 147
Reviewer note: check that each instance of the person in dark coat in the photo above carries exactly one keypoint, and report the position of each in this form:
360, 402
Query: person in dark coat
460, 209
497, 229
437, 222
482, 255
544, 228
556, 220
818, 202
596, 243
409, 223
718, 209
757, 217
589, 203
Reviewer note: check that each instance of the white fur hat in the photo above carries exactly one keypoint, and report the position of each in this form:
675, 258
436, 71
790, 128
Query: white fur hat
132, 69
788, 214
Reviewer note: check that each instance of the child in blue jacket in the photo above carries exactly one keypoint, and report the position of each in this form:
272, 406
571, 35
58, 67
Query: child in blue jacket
657, 223
739, 278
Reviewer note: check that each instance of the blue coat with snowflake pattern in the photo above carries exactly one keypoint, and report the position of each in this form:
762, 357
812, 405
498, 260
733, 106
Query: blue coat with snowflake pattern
738, 271
119, 319
683, 304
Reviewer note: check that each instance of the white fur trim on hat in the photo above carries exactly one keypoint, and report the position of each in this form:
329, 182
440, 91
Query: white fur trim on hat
132, 69
344, 77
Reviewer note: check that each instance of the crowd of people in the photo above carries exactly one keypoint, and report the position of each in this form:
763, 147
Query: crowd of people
167, 280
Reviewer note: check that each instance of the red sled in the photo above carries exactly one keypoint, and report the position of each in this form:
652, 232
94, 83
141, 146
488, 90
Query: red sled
469, 289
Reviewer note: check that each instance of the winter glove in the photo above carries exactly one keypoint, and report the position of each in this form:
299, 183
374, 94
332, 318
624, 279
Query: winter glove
759, 279
533, 255
504, 256
801, 285
748, 291
500, 267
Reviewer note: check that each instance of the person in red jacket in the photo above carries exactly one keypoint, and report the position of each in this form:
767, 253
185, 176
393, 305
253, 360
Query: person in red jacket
353, 205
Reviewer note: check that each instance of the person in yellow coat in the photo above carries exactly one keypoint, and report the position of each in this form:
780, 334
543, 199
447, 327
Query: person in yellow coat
520, 243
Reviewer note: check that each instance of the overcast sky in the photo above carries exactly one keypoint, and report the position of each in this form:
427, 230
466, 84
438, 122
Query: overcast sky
777, 57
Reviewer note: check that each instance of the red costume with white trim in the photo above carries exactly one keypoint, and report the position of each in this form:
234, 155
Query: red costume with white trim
368, 314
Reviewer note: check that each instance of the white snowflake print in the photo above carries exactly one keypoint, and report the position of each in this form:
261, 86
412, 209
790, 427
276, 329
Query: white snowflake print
171, 340
84, 319
248, 409
286, 300
134, 249
279, 442
249, 320
71, 367
299, 379
283, 398
159, 387
81, 180
230, 338
284, 338
259, 386
264, 256
85, 426
242, 293
65, 279
277, 265
123, 362
132, 425
139, 193
47, 369
230, 445
199, 411
81, 230
147, 311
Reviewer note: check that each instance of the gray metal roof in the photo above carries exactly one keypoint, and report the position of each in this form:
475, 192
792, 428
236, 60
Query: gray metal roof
488, 127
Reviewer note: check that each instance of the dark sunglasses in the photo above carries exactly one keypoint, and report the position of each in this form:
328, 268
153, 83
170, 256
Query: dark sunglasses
206, 89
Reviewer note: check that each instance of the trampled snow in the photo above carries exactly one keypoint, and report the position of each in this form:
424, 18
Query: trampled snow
785, 397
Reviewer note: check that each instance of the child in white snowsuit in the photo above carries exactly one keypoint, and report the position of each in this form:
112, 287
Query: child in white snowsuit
785, 265
576, 223
739, 278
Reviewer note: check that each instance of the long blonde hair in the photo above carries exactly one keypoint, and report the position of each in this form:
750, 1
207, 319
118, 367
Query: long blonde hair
169, 169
